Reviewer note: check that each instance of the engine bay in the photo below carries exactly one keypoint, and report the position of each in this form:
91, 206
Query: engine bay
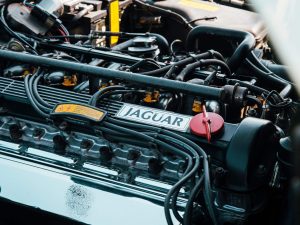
181, 100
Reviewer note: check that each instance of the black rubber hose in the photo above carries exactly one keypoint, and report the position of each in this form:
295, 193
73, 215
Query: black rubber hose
94, 99
180, 63
144, 62
196, 81
285, 86
279, 70
122, 46
245, 39
251, 87
116, 92
170, 72
183, 75
210, 78
162, 43
183, 62
257, 62
107, 55
171, 85
262, 67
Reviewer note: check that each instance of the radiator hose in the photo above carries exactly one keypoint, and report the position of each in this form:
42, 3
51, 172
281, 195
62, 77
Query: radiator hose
245, 39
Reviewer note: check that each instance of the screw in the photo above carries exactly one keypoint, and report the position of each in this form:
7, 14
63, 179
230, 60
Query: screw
105, 153
15, 132
38, 132
86, 144
133, 155
60, 144
154, 165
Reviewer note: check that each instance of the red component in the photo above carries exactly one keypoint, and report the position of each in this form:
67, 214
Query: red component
206, 124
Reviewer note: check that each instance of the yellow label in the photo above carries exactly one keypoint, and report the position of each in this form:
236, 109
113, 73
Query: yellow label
80, 110
114, 20
199, 5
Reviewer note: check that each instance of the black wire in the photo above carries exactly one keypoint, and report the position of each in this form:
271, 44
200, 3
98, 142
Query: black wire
37, 102
31, 99
170, 72
179, 63
65, 30
186, 176
281, 103
123, 137
94, 99
37, 95
183, 75
144, 61
276, 99
200, 151
189, 205
68, 57
178, 187
173, 53
116, 92
184, 147
109, 124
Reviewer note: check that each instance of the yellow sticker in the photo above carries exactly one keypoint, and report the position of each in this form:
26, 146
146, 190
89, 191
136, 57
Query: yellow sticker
114, 20
199, 5
80, 111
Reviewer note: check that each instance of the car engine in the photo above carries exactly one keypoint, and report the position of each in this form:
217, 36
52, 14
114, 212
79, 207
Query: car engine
178, 101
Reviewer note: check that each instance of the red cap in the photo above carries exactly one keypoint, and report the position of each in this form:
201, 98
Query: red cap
206, 124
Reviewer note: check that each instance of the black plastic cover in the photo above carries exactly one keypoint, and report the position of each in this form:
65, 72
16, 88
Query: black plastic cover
251, 154
212, 14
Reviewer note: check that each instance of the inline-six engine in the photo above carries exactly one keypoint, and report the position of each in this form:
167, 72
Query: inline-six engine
192, 111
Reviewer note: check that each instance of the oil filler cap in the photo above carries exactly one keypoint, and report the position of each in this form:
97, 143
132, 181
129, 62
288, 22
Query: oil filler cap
206, 124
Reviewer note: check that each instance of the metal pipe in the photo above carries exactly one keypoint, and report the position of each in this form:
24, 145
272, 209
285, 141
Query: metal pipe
105, 55
171, 85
